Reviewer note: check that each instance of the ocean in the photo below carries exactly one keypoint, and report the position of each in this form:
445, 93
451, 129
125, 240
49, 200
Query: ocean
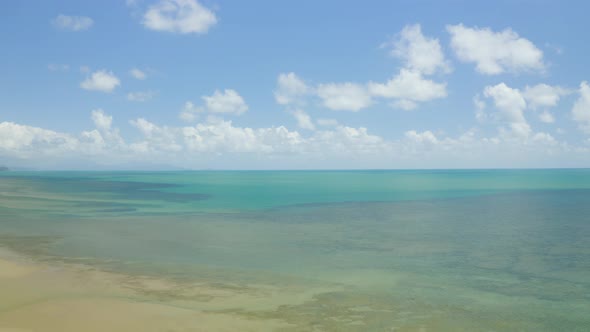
399, 250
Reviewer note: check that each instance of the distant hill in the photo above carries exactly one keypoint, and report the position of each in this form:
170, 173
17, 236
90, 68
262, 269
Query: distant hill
4, 169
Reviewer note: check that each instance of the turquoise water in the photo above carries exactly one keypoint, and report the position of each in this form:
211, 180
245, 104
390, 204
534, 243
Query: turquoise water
473, 250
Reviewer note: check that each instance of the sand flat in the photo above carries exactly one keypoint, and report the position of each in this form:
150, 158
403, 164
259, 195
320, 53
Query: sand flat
96, 314
40, 297
10, 269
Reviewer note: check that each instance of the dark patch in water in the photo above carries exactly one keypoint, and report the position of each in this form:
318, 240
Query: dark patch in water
118, 210
119, 189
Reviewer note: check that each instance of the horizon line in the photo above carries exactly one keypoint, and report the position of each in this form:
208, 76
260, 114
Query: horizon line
9, 170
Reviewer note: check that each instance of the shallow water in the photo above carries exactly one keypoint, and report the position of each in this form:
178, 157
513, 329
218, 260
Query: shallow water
373, 250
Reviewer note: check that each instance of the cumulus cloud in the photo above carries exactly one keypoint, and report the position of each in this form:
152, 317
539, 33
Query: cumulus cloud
102, 80
419, 53
303, 120
421, 56
345, 142
425, 137
511, 105
184, 146
406, 90
544, 138
25, 140
408, 87
226, 101
290, 89
215, 141
344, 96
156, 138
543, 95
495, 52
217, 135
512, 102
138, 74
72, 23
101, 120
189, 112
140, 96
179, 16
581, 109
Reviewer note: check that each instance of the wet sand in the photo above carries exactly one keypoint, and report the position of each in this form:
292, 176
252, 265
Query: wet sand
62, 297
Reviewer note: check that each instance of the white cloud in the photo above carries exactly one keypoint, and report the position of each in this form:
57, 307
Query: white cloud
495, 52
189, 112
581, 109
418, 52
408, 87
220, 144
101, 81
344, 140
511, 104
138, 74
426, 137
344, 96
104, 140
24, 140
140, 96
101, 120
421, 56
157, 138
73, 23
179, 16
221, 137
544, 138
145, 127
303, 120
543, 95
546, 117
290, 89
508, 100
228, 101
404, 104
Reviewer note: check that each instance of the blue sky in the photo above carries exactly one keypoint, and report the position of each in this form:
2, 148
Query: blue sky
293, 84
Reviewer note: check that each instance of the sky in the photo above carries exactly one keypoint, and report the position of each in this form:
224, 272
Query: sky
217, 84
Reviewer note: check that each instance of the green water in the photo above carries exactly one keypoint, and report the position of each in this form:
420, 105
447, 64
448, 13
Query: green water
476, 250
